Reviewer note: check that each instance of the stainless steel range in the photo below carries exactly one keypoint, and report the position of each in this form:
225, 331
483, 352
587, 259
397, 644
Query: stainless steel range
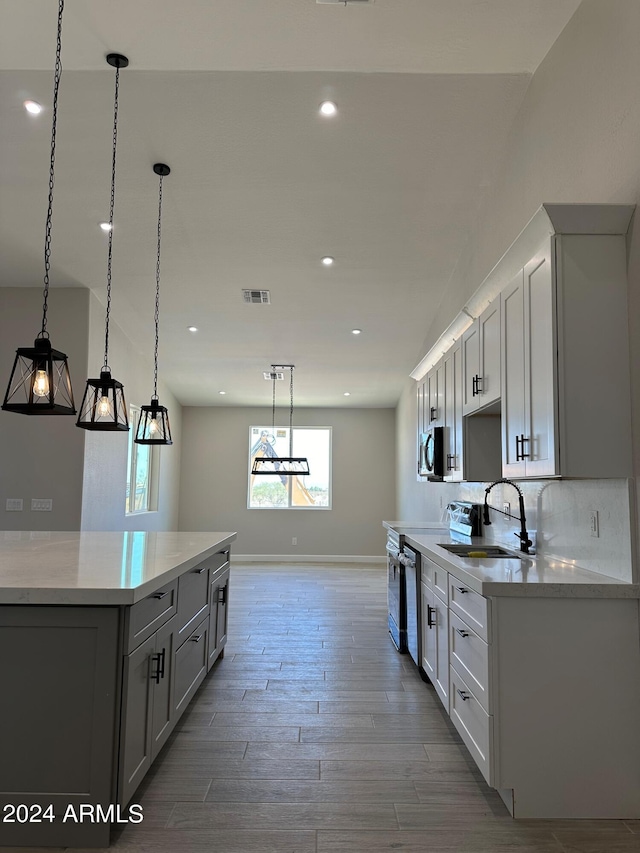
403, 572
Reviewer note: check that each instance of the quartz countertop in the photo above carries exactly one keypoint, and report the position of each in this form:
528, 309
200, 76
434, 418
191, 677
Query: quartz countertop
97, 568
531, 576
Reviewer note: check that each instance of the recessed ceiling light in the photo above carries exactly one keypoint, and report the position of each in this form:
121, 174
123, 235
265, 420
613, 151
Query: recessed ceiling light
328, 108
222, 392
356, 331
192, 328
33, 107
327, 261
106, 226
347, 393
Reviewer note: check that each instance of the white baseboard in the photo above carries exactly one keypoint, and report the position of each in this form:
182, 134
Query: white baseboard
305, 558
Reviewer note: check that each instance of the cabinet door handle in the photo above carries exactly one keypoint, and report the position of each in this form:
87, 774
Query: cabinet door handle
433, 413
157, 675
200, 570
159, 595
451, 461
196, 639
523, 455
222, 593
430, 620
462, 589
462, 694
477, 389
462, 633
161, 660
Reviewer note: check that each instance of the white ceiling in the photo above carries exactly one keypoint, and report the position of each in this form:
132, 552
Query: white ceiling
226, 92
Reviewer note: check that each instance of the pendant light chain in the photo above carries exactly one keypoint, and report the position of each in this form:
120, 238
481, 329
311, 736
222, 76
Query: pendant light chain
273, 403
291, 413
157, 311
54, 122
111, 206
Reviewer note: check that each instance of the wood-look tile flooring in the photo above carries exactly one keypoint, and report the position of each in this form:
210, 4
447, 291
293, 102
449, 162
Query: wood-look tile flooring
313, 735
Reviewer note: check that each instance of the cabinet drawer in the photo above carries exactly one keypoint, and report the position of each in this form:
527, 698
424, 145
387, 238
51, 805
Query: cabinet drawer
145, 617
469, 654
218, 561
474, 725
193, 599
190, 666
469, 606
435, 577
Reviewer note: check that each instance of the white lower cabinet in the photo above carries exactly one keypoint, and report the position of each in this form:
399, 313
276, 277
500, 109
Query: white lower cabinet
435, 628
543, 691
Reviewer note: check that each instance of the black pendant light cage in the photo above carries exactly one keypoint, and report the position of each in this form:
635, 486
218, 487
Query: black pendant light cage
40, 383
104, 407
272, 464
153, 424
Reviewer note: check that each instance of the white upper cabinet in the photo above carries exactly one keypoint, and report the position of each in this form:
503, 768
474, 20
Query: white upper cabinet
565, 362
453, 438
481, 360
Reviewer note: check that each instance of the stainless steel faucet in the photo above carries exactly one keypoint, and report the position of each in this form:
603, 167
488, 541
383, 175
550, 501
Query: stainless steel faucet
525, 542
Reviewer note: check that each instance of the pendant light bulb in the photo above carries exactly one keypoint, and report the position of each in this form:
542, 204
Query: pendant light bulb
41, 384
153, 426
104, 407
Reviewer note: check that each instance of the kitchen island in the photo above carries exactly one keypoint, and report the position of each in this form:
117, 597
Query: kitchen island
537, 663
104, 639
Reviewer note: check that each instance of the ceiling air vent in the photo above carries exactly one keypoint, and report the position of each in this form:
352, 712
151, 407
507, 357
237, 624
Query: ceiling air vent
273, 375
257, 297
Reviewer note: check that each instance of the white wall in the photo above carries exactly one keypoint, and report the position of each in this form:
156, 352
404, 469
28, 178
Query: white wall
42, 456
105, 462
213, 493
575, 139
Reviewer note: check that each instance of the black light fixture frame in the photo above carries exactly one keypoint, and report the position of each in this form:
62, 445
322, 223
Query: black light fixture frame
40, 383
104, 407
272, 464
153, 425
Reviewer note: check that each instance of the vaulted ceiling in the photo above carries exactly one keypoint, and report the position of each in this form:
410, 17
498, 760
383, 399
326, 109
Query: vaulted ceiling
226, 92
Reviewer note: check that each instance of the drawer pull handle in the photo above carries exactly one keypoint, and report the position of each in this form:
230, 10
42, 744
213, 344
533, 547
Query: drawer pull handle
160, 595
197, 638
200, 571
462, 589
462, 694
430, 617
462, 633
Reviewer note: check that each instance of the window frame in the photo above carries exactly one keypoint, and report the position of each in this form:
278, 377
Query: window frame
290, 506
153, 469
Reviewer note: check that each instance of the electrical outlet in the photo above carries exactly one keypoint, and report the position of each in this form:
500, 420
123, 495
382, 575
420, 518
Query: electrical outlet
41, 504
14, 505
594, 523
294, 540
441, 501
506, 507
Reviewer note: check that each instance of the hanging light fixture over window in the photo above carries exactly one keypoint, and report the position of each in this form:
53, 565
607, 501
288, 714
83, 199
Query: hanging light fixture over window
153, 425
40, 383
103, 405
271, 463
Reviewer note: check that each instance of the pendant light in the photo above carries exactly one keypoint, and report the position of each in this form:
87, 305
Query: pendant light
103, 405
40, 383
271, 463
153, 425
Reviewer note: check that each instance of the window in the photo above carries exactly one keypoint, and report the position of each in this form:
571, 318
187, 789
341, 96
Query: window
312, 491
142, 471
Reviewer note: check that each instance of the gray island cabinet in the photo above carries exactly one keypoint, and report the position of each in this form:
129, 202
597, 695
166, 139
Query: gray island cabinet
104, 640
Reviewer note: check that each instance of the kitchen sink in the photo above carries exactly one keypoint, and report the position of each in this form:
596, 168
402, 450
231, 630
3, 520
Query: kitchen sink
492, 551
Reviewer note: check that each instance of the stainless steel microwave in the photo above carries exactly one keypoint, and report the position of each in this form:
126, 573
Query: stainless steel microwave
431, 454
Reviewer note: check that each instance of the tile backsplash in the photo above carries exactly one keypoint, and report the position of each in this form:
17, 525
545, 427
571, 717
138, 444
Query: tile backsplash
559, 511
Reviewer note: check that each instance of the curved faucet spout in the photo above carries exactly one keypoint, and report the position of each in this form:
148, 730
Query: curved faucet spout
525, 541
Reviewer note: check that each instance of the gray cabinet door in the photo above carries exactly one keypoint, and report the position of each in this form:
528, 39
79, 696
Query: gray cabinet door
162, 715
136, 734
218, 616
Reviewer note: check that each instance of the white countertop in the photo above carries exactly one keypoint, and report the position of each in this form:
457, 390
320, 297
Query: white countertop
532, 576
94, 568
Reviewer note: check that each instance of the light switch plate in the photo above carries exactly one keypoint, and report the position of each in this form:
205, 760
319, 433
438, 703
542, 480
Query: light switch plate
594, 523
14, 505
41, 504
